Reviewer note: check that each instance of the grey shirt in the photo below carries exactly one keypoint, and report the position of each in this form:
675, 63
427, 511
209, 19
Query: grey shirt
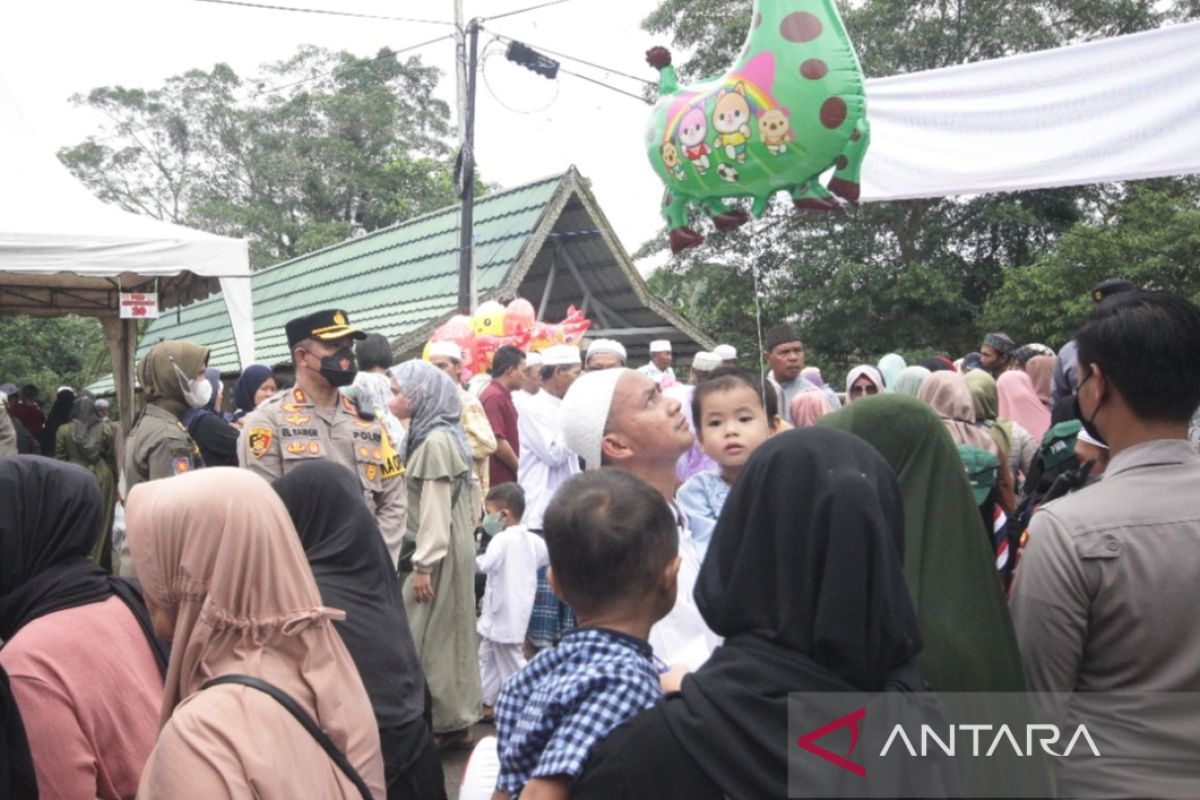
1104, 600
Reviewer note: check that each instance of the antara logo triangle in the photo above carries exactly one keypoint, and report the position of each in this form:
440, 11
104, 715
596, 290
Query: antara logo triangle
808, 741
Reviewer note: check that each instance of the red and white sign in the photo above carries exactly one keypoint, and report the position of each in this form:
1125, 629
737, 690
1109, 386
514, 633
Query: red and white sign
137, 305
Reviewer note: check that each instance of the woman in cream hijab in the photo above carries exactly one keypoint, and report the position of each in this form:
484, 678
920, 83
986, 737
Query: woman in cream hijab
228, 583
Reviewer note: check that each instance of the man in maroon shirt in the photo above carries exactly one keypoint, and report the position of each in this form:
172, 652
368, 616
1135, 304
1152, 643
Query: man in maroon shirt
28, 411
508, 372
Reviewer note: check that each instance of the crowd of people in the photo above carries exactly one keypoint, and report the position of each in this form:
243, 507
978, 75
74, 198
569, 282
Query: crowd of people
322, 579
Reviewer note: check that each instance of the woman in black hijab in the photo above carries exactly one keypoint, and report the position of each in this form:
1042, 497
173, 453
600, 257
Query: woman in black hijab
49, 521
353, 571
804, 580
60, 412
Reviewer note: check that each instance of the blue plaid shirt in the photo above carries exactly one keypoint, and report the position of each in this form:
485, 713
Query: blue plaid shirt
551, 713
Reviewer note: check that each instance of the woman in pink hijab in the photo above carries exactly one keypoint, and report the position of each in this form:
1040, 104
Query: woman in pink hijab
228, 583
1019, 402
1041, 372
808, 407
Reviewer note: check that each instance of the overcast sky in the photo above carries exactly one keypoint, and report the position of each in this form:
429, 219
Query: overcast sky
51, 49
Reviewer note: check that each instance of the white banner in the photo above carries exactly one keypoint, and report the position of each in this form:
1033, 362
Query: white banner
1117, 109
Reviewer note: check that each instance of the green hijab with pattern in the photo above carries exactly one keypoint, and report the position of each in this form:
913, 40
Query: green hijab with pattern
948, 565
985, 396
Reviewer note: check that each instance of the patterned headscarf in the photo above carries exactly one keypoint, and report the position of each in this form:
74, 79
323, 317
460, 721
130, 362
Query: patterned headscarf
435, 405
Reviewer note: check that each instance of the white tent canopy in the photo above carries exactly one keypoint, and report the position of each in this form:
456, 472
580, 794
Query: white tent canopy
63, 251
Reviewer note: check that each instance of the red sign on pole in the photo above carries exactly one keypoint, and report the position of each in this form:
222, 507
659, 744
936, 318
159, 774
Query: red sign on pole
139, 305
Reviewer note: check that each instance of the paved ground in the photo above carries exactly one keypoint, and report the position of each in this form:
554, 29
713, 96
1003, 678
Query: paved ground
455, 761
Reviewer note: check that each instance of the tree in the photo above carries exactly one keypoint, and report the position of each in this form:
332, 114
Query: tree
1150, 235
317, 148
52, 351
912, 276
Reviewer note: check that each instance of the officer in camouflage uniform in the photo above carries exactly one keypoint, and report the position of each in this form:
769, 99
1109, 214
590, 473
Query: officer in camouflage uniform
313, 420
158, 446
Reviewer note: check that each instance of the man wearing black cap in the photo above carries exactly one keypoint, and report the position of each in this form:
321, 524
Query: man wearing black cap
995, 355
785, 355
1066, 369
313, 420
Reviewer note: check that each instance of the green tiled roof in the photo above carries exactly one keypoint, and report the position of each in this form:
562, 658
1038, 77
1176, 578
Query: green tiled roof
391, 281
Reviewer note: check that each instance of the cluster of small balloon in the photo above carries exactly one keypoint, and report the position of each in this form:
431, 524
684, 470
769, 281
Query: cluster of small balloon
495, 325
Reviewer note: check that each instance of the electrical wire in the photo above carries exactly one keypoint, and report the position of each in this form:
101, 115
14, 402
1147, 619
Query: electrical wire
330, 13
524, 10
385, 54
608, 86
600, 67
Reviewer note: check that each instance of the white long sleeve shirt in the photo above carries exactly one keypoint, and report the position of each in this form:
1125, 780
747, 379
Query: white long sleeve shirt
683, 637
545, 460
511, 563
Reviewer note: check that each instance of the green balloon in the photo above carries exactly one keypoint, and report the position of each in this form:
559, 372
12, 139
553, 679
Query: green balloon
791, 107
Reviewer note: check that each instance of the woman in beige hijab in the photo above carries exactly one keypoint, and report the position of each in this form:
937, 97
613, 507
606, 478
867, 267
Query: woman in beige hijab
950, 397
228, 582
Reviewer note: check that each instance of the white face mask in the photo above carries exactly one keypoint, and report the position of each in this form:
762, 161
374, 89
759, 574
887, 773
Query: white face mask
197, 391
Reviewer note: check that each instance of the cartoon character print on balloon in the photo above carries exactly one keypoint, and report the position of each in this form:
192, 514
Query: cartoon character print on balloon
791, 108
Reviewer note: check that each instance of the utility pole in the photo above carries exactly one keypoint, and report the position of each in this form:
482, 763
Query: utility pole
466, 252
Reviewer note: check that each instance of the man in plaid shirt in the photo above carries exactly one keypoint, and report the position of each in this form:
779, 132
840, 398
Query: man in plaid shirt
613, 557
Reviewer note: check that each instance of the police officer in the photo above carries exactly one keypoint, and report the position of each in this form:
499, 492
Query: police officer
313, 420
158, 446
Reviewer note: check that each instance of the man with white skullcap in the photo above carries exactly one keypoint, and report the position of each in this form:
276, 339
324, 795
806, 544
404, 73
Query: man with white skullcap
546, 461
620, 418
531, 384
727, 353
604, 354
659, 369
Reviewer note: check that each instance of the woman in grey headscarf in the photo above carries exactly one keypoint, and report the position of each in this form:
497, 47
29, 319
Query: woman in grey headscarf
87, 440
440, 595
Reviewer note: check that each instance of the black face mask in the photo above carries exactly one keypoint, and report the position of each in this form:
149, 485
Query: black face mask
340, 368
1088, 425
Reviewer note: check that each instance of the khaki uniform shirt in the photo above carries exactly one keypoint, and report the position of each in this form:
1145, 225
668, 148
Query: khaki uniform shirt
1104, 601
158, 447
288, 430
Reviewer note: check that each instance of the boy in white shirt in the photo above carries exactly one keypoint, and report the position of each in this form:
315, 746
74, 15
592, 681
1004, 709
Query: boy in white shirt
510, 563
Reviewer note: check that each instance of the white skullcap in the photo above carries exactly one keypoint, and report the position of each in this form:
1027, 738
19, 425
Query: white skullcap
660, 346
725, 352
533, 359
446, 349
101, 403
611, 346
1084, 436
62, 389
560, 355
584, 413
705, 362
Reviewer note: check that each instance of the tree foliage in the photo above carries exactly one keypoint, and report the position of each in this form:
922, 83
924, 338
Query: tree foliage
920, 276
315, 149
52, 351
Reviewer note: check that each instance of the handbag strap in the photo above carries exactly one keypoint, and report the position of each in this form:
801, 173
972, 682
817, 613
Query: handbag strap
310, 725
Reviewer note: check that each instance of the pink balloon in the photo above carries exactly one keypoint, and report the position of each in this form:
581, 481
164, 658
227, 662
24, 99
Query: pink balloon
520, 317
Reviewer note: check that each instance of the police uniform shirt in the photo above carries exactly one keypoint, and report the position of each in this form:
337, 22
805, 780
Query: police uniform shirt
158, 447
288, 430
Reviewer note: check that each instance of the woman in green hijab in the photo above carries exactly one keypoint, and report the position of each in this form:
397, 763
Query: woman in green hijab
1018, 447
970, 645
948, 563
87, 440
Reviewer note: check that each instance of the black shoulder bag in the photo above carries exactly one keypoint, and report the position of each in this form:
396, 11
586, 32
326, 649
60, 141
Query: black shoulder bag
304, 719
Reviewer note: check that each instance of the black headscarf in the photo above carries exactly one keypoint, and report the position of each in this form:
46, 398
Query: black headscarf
17, 778
60, 412
49, 521
354, 573
804, 578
